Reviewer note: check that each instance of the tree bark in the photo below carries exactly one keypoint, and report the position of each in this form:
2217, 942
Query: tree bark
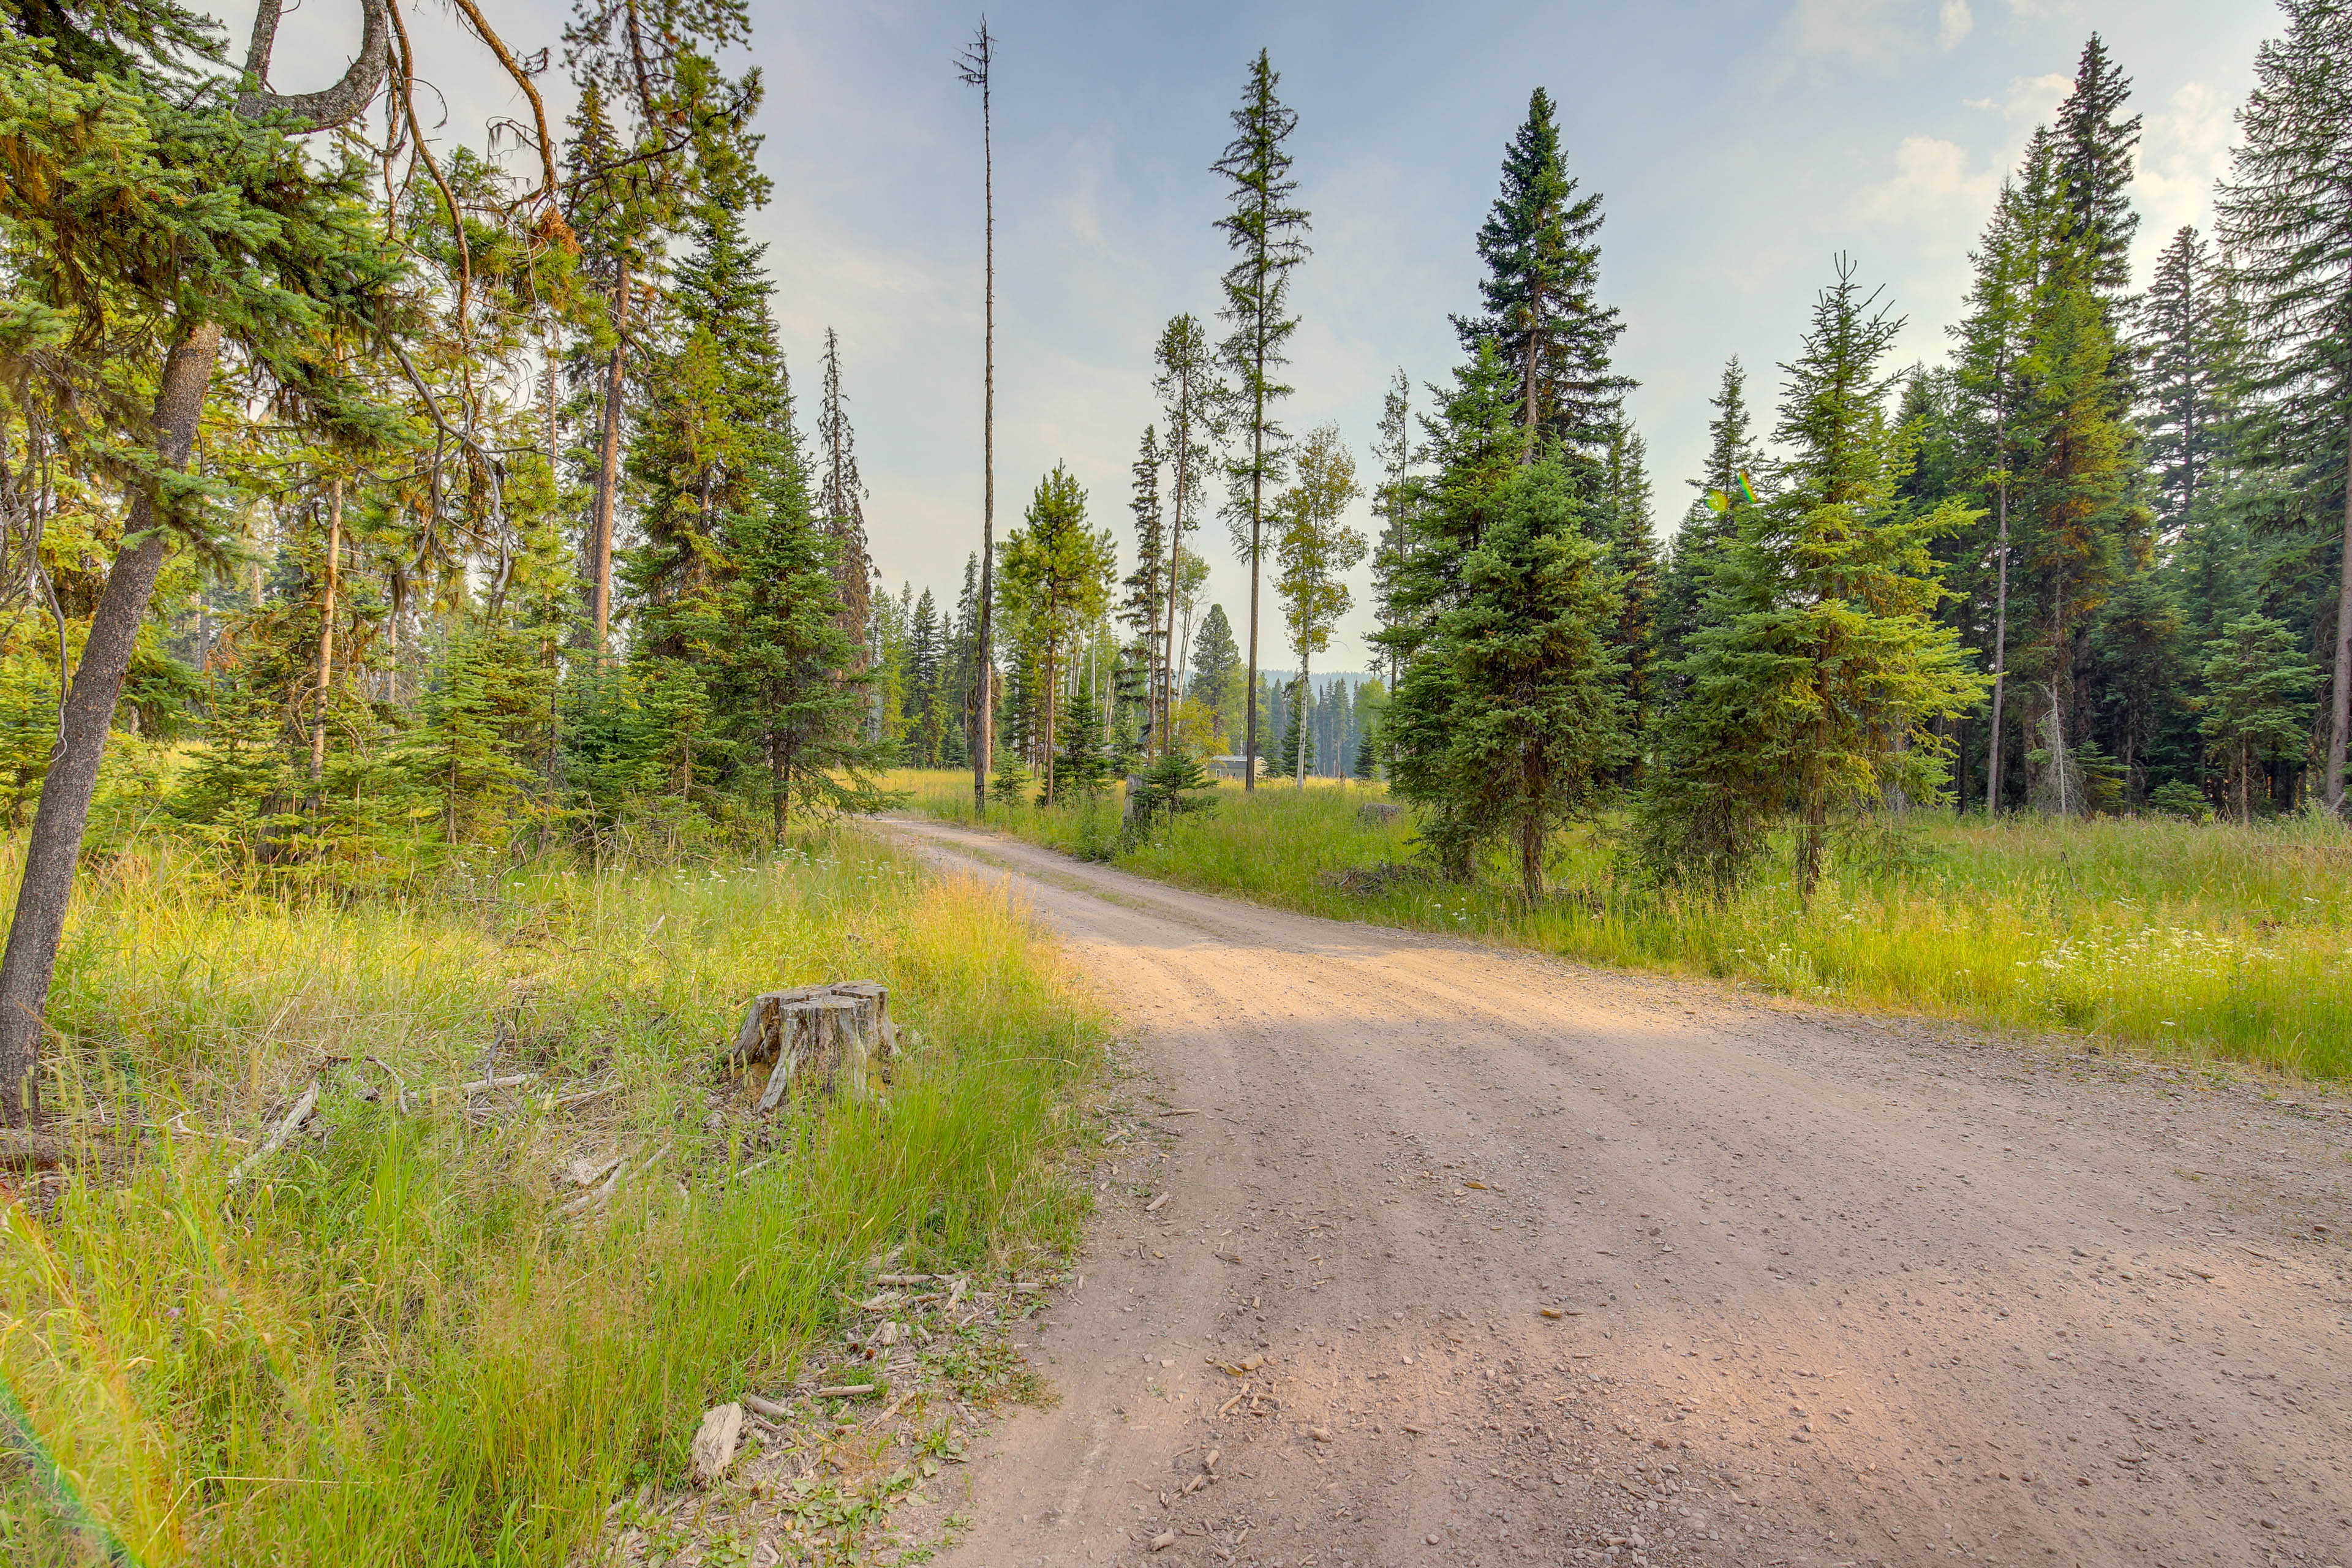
1999, 662
56, 843
327, 630
2340, 699
608, 469
983, 751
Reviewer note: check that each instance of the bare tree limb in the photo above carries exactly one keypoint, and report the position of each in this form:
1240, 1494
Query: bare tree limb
330, 107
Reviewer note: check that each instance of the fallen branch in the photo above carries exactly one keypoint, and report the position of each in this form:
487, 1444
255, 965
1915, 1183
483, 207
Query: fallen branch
276, 1140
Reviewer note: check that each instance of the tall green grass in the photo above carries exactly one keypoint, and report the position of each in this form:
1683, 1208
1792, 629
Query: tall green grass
391, 1347
2179, 938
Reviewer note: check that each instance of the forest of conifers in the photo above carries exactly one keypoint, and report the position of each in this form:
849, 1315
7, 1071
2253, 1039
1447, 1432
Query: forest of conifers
392, 503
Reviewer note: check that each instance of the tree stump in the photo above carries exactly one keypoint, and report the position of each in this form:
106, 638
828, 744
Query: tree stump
838, 1037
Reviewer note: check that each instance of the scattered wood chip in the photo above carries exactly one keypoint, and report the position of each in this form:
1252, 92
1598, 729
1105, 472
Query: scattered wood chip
849, 1391
714, 1443
766, 1409
1479, 1186
1416, 1431
1186, 1110
1320, 1434
1155, 1205
1163, 1541
902, 1278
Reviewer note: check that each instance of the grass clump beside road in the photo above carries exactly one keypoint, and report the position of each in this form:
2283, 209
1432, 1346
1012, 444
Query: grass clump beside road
391, 1346
2183, 938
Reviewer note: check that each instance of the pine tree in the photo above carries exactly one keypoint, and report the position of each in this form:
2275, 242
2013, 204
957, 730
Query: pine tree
1217, 681
841, 498
1992, 342
1313, 550
2286, 220
1269, 235
1190, 399
791, 691
2084, 530
2255, 705
2185, 380
1509, 717
1055, 579
1145, 609
2096, 148
1816, 681
1620, 519
1543, 265
1709, 526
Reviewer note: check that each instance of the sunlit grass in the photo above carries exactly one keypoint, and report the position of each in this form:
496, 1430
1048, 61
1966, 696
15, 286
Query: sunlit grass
390, 1347
2196, 940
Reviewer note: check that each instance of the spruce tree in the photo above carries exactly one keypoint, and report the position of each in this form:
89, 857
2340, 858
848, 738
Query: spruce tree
2096, 146
1190, 407
1268, 234
1707, 528
1991, 341
1543, 266
2286, 220
841, 497
1814, 685
1509, 718
2184, 380
1145, 609
1055, 579
2255, 704
1216, 680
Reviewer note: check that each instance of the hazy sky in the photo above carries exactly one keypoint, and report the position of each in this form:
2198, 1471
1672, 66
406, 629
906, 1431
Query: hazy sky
1737, 144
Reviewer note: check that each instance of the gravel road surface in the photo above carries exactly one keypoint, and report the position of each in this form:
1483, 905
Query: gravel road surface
1471, 1257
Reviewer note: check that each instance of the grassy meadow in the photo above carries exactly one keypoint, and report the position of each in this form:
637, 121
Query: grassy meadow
2181, 938
393, 1345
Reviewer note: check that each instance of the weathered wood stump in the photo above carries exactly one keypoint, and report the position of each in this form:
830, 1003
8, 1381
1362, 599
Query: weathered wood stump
836, 1037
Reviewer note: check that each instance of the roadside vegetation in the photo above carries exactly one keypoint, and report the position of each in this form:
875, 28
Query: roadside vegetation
411, 1336
2196, 940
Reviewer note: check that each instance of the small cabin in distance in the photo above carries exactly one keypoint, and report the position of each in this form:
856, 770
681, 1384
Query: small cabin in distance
1231, 767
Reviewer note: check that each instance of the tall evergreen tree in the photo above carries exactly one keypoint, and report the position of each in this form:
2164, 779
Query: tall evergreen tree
1511, 717
2286, 220
1056, 580
1268, 235
841, 497
1711, 524
1543, 265
1814, 685
1189, 407
1217, 682
1991, 342
2185, 379
1145, 609
2096, 146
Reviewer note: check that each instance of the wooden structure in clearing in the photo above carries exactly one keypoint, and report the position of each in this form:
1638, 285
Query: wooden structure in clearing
836, 1037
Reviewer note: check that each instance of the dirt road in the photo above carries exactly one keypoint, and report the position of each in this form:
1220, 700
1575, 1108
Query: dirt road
1472, 1258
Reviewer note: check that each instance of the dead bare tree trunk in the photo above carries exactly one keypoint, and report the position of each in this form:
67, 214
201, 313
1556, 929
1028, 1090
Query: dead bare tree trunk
56, 843
327, 630
2340, 699
608, 469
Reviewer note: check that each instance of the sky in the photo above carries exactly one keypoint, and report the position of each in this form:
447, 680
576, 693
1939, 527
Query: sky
1739, 146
